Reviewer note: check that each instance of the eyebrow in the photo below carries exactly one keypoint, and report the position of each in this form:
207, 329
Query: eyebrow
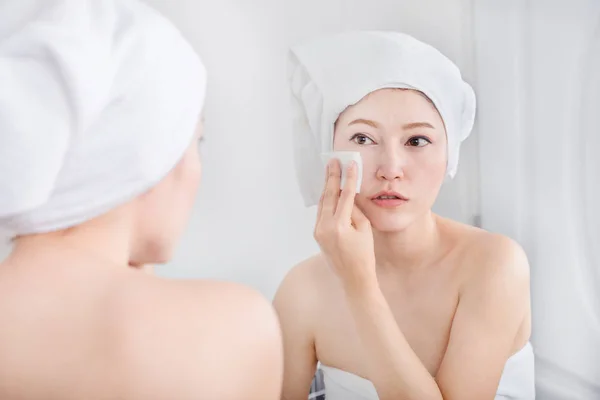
412, 125
364, 122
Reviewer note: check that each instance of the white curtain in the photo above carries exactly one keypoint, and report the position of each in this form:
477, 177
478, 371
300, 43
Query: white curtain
538, 81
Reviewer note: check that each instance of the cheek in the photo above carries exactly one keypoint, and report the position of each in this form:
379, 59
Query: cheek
186, 190
187, 179
192, 165
193, 174
430, 171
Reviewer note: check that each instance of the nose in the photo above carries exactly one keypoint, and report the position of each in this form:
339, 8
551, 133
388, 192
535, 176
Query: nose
391, 165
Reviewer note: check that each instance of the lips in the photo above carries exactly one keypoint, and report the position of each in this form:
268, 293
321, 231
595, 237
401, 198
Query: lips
388, 199
388, 196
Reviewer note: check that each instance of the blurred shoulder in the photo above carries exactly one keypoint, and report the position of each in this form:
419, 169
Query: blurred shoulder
217, 338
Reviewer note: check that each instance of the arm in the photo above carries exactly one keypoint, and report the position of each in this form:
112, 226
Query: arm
492, 306
293, 306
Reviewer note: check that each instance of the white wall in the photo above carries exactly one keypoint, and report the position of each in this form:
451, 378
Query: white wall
250, 225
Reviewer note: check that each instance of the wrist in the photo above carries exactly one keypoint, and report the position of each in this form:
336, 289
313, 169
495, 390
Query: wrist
363, 287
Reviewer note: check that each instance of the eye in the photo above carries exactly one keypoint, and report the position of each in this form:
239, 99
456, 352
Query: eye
418, 141
361, 139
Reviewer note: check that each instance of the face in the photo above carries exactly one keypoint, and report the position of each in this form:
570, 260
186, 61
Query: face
402, 141
163, 212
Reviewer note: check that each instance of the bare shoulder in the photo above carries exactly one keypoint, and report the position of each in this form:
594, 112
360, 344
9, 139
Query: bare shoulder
197, 339
498, 256
489, 259
494, 289
300, 298
304, 285
308, 272
297, 302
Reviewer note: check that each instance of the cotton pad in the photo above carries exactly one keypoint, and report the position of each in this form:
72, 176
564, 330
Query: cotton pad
345, 157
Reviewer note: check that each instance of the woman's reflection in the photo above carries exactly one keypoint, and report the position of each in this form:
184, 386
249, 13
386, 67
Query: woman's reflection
400, 302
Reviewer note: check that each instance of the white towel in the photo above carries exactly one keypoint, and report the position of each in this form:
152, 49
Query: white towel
98, 101
328, 74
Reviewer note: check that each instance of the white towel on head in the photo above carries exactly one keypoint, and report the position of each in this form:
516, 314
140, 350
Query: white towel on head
328, 74
98, 101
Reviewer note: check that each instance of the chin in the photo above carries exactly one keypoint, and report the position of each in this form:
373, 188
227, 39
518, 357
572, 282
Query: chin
389, 221
161, 254
390, 225
154, 252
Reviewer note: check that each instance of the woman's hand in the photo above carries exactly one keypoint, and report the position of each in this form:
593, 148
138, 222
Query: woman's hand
343, 232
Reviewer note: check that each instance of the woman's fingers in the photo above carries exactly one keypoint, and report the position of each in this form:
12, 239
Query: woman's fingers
332, 189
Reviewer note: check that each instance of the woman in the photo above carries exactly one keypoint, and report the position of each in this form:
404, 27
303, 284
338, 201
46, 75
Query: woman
99, 166
400, 303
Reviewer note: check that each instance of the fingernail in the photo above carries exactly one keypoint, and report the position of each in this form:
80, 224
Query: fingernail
351, 165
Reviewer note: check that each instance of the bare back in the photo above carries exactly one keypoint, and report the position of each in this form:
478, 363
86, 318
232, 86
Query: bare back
83, 329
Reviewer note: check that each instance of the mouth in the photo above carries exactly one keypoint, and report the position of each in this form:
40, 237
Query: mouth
389, 199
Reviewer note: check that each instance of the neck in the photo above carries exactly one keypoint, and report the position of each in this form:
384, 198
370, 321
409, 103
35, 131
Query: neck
410, 248
106, 238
